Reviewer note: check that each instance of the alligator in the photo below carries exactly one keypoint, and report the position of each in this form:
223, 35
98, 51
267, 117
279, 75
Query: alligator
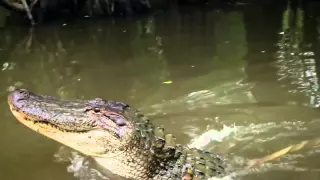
119, 138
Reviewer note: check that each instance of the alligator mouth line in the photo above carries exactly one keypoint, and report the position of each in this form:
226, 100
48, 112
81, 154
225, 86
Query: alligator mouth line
51, 126
25, 119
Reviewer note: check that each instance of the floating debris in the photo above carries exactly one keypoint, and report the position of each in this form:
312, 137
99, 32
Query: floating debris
5, 66
292, 148
167, 82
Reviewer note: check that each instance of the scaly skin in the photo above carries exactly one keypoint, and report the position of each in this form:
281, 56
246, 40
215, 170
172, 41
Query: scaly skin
118, 137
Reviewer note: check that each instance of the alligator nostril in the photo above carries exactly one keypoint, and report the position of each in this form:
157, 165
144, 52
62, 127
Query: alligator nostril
22, 91
21, 94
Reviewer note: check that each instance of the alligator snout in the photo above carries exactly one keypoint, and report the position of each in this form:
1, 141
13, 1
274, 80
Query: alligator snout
17, 95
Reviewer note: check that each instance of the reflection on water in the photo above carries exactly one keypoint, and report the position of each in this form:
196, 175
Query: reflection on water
296, 61
241, 82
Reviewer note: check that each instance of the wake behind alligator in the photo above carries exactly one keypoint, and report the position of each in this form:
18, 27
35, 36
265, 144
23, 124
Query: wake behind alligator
119, 138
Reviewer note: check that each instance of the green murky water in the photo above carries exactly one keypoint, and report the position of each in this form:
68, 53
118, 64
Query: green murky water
194, 71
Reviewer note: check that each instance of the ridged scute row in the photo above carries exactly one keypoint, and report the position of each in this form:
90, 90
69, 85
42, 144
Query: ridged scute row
169, 160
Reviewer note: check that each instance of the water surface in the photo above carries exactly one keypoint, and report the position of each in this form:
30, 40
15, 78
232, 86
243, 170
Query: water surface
243, 76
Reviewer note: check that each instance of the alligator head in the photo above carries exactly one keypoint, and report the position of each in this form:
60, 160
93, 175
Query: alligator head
91, 127
119, 138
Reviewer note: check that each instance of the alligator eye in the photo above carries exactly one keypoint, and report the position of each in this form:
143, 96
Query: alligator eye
96, 109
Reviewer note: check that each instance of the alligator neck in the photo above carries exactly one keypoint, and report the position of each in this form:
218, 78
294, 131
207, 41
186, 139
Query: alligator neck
149, 153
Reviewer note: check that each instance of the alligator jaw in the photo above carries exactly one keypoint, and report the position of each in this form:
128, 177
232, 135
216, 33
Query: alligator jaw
73, 141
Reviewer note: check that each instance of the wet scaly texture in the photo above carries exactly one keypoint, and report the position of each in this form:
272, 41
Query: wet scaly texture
119, 138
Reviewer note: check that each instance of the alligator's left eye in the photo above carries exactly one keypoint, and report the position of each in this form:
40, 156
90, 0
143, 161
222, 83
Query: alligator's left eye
96, 109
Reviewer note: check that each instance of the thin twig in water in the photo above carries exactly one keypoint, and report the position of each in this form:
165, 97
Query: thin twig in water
34, 2
29, 40
26, 7
292, 148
